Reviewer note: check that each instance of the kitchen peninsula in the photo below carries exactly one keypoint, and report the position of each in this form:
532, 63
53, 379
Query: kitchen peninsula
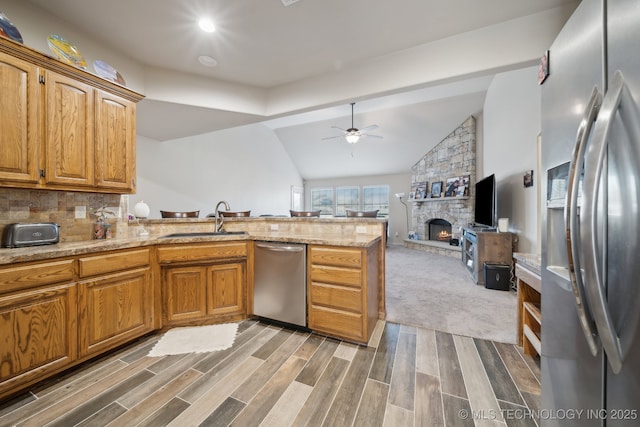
63, 304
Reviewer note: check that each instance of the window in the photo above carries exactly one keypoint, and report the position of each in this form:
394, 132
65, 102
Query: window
297, 198
347, 198
376, 197
322, 200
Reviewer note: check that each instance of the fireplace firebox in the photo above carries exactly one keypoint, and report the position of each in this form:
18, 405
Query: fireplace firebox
439, 230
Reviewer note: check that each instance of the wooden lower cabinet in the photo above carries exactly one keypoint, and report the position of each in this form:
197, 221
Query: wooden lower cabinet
38, 335
184, 293
60, 312
203, 283
203, 293
225, 289
114, 309
343, 291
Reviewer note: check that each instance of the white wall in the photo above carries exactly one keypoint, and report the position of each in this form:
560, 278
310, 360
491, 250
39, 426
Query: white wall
195, 173
511, 124
399, 183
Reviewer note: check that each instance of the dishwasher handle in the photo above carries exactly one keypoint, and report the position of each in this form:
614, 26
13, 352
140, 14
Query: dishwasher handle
280, 248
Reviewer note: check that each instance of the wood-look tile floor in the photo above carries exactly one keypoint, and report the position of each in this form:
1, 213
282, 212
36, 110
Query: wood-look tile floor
272, 376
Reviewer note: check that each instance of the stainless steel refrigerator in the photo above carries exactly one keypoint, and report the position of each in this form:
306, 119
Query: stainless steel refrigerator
590, 359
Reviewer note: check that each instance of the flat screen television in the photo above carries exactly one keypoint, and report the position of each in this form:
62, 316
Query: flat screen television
485, 204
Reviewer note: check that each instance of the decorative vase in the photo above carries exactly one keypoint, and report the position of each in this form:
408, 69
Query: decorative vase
141, 209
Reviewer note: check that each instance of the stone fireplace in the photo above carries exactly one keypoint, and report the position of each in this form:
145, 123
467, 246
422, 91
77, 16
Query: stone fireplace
438, 229
437, 220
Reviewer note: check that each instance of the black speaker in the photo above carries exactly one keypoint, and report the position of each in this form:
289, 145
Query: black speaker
497, 276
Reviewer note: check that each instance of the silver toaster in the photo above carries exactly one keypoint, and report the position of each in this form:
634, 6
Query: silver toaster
20, 235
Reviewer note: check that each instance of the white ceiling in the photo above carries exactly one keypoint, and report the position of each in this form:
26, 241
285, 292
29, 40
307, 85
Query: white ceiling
264, 46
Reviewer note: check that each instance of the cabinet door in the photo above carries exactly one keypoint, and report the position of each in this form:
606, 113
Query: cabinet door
225, 293
69, 132
38, 334
184, 293
114, 309
115, 142
19, 124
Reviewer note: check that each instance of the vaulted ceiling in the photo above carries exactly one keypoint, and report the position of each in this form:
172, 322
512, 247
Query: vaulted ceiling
416, 68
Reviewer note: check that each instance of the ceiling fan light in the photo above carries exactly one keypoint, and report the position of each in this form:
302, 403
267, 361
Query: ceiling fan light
206, 25
352, 138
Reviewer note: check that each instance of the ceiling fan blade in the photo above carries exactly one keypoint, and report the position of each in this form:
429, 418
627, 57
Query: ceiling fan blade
368, 128
340, 129
367, 135
333, 137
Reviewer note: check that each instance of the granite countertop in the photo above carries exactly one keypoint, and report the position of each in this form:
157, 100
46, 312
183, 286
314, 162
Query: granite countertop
64, 249
530, 261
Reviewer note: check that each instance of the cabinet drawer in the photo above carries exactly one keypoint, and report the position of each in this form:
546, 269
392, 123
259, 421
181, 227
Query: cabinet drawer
336, 275
117, 261
336, 322
336, 256
187, 253
336, 296
31, 275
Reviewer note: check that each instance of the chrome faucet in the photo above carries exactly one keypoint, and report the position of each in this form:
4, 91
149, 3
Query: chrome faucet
220, 218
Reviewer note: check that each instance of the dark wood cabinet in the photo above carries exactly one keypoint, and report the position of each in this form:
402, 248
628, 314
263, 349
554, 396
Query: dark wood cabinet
480, 247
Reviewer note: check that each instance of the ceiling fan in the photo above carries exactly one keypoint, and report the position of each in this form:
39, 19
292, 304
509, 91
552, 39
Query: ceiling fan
353, 135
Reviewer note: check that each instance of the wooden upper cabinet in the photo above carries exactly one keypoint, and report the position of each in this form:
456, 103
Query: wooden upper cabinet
19, 130
115, 141
69, 131
63, 128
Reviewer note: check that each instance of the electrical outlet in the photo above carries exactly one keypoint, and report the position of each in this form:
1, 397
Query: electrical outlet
361, 229
274, 227
81, 212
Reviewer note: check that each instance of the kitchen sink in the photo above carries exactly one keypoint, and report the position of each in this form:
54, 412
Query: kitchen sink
205, 234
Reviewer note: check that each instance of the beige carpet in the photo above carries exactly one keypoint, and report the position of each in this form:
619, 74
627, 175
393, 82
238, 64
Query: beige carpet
195, 339
436, 292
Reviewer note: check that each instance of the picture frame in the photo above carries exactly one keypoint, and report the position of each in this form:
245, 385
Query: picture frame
436, 189
418, 190
463, 186
414, 191
543, 68
452, 186
528, 179
421, 190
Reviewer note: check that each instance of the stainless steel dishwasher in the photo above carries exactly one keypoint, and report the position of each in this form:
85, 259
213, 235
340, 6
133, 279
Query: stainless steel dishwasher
280, 282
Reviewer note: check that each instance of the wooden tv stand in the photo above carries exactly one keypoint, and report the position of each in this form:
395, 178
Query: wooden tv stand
483, 244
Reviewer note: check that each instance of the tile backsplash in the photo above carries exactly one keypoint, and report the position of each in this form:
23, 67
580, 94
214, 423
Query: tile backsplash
19, 205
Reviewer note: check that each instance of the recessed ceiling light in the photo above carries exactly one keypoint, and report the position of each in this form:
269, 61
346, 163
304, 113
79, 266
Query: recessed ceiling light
207, 25
207, 61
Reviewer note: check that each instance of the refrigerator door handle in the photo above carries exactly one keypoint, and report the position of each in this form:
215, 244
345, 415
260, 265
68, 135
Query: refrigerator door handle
572, 222
616, 97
